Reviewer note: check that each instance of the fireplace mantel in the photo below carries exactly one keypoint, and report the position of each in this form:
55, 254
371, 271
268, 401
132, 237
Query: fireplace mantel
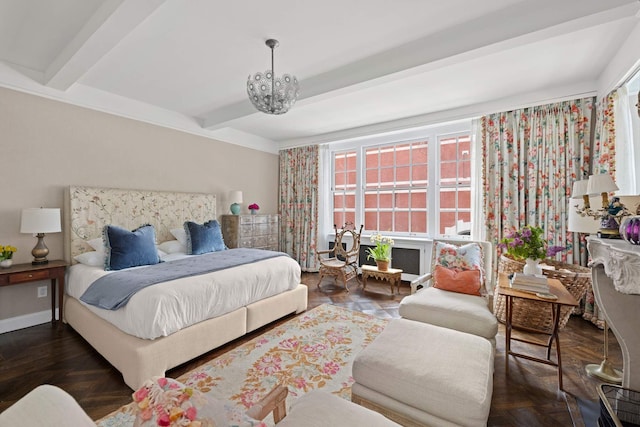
616, 286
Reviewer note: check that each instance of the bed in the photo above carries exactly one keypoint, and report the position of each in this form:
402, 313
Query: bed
140, 355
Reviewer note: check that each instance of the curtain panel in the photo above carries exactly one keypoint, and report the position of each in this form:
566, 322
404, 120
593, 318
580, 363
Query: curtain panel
604, 161
299, 205
531, 157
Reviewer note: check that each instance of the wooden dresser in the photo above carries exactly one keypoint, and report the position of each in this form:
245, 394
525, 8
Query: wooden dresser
251, 231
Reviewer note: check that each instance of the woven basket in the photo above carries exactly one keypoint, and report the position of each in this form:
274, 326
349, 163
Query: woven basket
534, 314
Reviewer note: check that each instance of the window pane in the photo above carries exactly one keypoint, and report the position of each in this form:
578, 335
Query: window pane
371, 220
447, 199
402, 221
350, 201
447, 219
419, 199
403, 176
419, 221
385, 200
338, 201
402, 200
419, 175
370, 201
464, 198
403, 155
386, 221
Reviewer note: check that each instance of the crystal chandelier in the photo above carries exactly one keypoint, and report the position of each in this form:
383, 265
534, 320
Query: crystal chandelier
269, 93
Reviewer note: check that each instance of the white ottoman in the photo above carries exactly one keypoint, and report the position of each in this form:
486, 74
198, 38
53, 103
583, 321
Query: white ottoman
420, 374
321, 409
465, 313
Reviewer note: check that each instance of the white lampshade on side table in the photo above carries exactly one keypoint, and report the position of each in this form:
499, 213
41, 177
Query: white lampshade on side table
39, 221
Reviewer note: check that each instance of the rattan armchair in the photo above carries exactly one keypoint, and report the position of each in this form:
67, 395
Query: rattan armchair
341, 261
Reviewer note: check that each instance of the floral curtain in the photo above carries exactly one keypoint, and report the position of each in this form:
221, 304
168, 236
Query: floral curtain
604, 161
299, 204
531, 157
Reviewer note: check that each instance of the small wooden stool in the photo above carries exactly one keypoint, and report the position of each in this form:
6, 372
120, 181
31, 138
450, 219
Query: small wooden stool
392, 275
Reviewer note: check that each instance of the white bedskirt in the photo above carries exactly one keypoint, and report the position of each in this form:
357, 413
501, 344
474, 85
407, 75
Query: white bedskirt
165, 308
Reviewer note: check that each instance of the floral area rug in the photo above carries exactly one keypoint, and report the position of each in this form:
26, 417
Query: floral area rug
312, 351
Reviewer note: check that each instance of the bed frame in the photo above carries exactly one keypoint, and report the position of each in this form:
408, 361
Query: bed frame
87, 210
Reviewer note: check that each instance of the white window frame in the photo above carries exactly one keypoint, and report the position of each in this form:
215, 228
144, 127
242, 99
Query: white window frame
431, 133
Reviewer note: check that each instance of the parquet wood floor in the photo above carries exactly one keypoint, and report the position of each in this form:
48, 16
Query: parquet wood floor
527, 396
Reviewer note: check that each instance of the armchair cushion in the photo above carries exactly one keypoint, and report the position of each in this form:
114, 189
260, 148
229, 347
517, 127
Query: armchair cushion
465, 313
456, 280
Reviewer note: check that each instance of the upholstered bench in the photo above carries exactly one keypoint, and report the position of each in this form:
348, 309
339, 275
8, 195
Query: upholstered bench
420, 374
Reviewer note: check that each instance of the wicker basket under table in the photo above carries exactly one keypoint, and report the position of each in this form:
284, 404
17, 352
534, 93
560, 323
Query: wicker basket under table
534, 314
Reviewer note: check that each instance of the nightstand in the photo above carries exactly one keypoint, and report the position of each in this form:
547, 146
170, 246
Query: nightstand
25, 273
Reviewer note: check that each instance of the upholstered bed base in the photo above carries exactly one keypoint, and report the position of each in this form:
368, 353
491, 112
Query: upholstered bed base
139, 359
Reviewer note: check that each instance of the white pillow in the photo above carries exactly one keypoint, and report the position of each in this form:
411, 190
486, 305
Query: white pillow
92, 258
175, 256
172, 246
97, 244
180, 234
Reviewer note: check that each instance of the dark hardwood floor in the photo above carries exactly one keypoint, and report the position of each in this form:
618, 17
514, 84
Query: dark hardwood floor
527, 396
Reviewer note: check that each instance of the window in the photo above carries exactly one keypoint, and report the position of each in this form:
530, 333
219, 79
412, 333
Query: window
455, 184
344, 185
412, 186
395, 188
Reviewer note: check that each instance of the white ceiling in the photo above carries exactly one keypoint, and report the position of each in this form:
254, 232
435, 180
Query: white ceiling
362, 64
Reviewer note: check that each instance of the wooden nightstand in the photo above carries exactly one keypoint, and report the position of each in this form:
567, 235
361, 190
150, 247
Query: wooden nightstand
25, 273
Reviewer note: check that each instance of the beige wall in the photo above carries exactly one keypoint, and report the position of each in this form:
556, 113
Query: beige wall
47, 145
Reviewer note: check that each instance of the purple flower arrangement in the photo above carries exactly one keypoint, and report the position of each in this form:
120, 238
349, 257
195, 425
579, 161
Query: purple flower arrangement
528, 243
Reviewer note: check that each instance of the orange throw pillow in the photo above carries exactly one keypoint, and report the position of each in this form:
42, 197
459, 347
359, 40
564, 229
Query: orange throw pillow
454, 280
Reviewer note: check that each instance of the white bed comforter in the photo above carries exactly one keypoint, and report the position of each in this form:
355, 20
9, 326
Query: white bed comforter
165, 308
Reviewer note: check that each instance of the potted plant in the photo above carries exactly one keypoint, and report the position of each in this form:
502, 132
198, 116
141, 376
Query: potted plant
381, 252
6, 255
529, 246
253, 207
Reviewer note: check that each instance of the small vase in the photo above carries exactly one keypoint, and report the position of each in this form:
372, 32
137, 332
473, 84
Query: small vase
383, 264
6, 263
532, 267
253, 211
630, 230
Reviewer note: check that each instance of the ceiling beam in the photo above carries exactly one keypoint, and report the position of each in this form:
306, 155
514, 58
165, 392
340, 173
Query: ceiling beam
111, 23
469, 40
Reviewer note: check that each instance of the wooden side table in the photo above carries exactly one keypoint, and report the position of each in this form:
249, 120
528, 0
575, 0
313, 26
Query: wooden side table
25, 273
392, 275
564, 298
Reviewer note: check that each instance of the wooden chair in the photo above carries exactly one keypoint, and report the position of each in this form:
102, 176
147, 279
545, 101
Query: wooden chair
342, 260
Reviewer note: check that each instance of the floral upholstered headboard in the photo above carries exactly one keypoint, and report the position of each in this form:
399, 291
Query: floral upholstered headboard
89, 209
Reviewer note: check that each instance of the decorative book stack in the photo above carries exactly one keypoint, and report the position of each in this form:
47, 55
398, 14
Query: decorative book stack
529, 283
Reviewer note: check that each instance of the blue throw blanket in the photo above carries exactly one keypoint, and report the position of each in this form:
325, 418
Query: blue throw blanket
114, 290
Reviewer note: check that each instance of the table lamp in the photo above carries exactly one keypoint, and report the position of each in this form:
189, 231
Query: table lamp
589, 224
235, 197
603, 184
579, 201
39, 221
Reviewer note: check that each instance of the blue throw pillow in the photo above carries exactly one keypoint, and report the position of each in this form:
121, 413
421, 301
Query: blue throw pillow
129, 248
203, 238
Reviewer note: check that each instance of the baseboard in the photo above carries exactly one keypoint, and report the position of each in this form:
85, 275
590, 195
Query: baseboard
25, 321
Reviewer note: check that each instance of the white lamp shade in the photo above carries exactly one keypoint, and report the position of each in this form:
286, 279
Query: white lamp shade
601, 183
578, 223
579, 189
40, 220
235, 196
